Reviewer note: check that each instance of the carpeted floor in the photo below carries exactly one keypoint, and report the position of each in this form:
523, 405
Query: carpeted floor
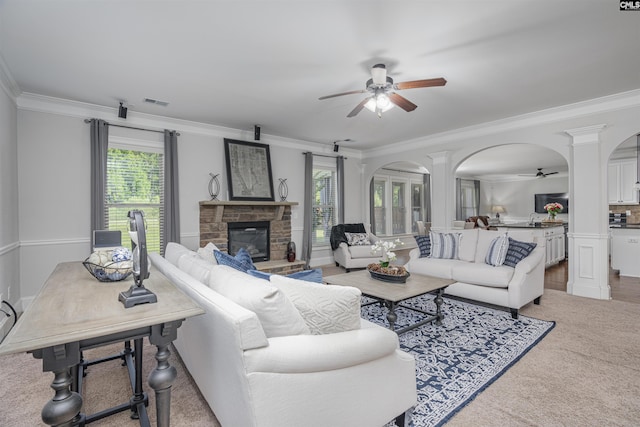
585, 372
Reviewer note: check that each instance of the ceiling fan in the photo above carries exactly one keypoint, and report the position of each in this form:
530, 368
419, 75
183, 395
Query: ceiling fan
383, 94
540, 174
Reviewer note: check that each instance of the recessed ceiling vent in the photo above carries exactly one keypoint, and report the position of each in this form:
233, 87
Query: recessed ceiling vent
155, 101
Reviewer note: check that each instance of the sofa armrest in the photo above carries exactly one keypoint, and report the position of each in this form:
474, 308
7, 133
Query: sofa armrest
318, 353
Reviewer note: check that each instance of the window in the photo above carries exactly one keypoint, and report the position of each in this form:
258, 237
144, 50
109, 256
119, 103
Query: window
468, 198
404, 194
324, 204
135, 180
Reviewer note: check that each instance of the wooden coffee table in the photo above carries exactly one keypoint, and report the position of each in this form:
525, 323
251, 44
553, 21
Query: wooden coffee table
392, 294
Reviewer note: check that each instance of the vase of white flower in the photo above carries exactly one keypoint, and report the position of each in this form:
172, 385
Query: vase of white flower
383, 270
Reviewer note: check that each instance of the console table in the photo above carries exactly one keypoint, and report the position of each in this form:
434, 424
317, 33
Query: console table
73, 312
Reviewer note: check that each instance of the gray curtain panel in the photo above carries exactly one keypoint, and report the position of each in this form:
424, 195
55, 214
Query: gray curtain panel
99, 146
426, 187
372, 208
459, 199
171, 199
340, 179
308, 208
476, 207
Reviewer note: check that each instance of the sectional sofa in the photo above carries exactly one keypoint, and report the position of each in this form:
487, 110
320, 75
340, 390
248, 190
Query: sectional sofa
284, 352
476, 278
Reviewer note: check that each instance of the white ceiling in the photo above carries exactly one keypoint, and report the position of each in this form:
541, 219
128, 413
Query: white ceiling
237, 63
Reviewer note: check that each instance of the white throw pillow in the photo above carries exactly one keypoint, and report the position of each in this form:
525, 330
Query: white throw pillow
444, 245
326, 309
277, 314
497, 251
206, 253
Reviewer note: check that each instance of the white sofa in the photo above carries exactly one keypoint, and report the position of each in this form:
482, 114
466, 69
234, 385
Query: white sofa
502, 285
353, 378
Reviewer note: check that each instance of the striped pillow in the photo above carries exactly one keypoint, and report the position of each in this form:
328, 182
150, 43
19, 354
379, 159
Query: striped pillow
518, 251
497, 251
424, 244
444, 245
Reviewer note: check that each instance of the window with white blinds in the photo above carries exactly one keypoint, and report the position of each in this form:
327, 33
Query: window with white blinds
324, 204
135, 180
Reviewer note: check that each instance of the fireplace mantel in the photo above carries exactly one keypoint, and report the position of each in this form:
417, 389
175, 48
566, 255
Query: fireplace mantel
221, 204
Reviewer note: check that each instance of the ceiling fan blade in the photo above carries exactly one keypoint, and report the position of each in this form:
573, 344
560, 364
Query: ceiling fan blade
343, 93
402, 102
358, 108
414, 84
550, 173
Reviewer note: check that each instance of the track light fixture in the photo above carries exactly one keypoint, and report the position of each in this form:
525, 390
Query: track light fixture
336, 147
256, 132
122, 111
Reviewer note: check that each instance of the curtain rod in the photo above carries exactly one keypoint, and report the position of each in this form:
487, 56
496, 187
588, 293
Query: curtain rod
324, 155
131, 127
398, 170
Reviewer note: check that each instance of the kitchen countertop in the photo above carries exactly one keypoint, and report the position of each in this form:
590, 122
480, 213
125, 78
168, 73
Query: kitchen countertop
631, 226
534, 225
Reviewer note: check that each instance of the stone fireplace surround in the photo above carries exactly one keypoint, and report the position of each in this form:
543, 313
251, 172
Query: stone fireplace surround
216, 214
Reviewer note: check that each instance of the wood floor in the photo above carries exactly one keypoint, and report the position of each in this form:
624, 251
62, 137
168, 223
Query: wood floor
622, 288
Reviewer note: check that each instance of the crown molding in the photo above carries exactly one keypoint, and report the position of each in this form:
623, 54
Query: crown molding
27, 101
604, 104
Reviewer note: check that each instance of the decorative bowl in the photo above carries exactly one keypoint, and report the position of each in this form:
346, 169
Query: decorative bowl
113, 272
388, 274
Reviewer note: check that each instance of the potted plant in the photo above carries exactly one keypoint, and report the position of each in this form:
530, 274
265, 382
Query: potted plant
383, 270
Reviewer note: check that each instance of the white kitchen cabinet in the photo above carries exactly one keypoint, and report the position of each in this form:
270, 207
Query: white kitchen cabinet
622, 175
625, 251
555, 246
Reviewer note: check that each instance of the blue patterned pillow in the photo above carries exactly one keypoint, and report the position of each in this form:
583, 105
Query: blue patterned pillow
424, 244
444, 245
518, 251
314, 275
497, 251
242, 261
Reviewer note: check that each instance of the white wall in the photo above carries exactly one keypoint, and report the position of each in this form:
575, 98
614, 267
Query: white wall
9, 237
53, 174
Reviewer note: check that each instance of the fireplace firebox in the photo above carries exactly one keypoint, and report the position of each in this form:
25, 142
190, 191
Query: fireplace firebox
253, 236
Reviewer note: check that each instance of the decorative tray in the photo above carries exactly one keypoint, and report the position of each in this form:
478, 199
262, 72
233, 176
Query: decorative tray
377, 273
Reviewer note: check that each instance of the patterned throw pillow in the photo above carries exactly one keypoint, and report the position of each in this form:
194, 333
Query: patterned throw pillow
517, 251
424, 244
497, 251
357, 239
444, 245
242, 261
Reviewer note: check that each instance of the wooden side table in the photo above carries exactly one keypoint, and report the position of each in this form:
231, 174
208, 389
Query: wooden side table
74, 311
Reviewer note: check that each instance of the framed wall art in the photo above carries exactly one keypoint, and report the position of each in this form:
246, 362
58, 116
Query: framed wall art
248, 170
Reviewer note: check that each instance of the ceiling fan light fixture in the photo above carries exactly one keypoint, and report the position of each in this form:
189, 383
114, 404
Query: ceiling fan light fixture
379, 74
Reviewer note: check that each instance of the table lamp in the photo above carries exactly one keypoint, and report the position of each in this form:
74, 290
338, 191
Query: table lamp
497, 209
137, 293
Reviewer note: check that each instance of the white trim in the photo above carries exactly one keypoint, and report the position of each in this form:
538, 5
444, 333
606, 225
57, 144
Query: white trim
604, 104
53, 242
64, 107
9, 248
136, 144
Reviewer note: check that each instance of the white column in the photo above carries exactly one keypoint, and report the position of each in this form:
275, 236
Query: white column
442, 191
588, 237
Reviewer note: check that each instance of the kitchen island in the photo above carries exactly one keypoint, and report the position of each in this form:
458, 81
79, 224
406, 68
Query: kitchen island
625, 250
553, 234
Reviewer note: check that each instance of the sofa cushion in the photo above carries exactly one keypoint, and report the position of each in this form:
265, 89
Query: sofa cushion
363, 252
326, 309
497, 251
444, 245
424, 244
518, 251
357, 239
483, 274
207, 254
314, 275
196, 267
241, 262
277, 314
174, 251
468, 244
434, 267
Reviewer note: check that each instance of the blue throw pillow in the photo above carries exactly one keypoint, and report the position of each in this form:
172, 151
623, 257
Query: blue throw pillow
518, 251
424, 244
314, 275
242, 261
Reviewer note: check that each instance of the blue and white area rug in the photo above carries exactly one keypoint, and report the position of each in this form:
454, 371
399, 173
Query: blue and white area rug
472, 348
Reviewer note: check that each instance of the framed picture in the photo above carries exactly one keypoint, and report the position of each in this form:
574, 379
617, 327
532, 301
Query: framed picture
248, 170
